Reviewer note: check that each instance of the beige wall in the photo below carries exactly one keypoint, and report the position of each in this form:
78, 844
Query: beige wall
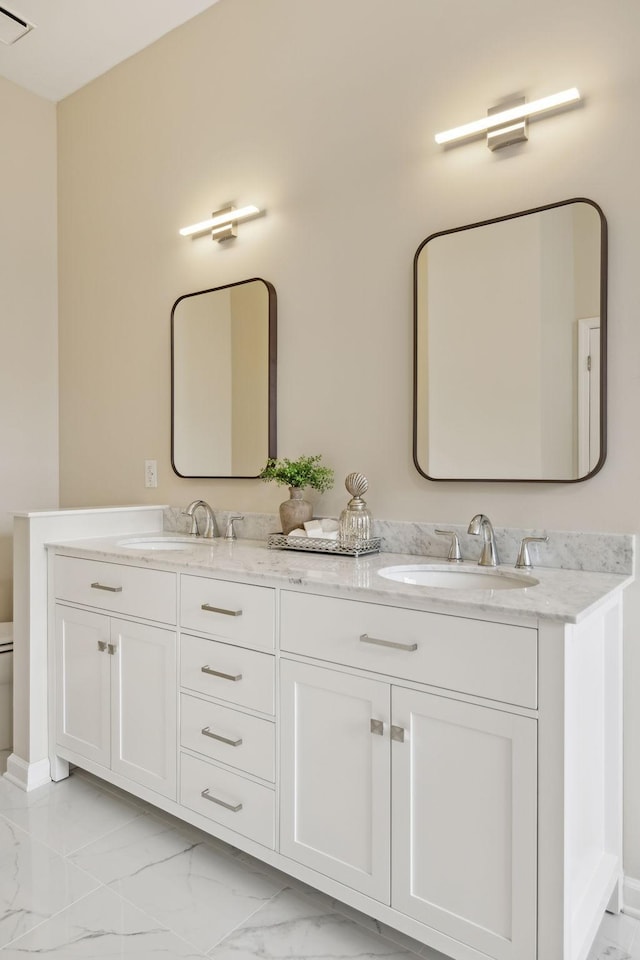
324, 112
28, 316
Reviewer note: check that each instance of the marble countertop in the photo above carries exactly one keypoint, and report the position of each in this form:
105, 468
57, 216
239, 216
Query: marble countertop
562, 595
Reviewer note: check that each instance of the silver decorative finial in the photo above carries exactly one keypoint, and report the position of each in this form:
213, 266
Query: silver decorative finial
356, 484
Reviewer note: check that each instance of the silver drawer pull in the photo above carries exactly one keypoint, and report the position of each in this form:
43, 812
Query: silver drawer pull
102, 586
397, 733
206, 732
377, 727
227, 613
217, 673
102, 646
234, 807
410, 647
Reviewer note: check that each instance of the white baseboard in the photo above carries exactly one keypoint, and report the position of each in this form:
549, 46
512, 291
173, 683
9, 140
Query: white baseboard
28, 776
631, 897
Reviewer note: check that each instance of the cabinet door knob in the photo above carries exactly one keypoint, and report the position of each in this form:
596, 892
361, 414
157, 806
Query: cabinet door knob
217, 673
377, 727
397, 733
102, 646
227, 613
111, 647
206, 732
234, 807
103, 586
409, 647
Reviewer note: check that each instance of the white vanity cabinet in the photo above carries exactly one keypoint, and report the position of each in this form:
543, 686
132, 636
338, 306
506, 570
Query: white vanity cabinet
227, 717
464, 812
451, 769
422, 801
83, 683
237, 613
334, 782
115, 679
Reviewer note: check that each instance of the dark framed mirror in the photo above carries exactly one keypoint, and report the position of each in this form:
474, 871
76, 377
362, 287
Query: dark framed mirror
510, 345
223, 380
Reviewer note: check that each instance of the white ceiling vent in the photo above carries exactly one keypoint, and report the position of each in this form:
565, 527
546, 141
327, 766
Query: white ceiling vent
12, 27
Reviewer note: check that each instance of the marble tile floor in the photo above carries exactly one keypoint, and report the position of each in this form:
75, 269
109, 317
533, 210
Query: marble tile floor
87, 871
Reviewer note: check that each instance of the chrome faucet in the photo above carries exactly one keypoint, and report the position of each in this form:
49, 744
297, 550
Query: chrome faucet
210, 527
489, 556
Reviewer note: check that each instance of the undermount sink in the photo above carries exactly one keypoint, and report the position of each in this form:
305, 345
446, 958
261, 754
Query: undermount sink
457, 578
163, 543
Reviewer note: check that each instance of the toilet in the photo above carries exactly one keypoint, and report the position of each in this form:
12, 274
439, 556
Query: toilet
6, 686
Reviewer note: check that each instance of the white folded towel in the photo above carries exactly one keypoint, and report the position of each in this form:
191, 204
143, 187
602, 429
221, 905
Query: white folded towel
313, 528
317, 530
329, 526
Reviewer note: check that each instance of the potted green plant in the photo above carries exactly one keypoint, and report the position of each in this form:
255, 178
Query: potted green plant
297, 475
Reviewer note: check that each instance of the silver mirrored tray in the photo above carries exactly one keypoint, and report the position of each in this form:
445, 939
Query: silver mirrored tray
316, 545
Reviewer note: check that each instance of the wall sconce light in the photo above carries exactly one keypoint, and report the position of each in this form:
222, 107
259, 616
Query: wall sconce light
507, 123
222, 224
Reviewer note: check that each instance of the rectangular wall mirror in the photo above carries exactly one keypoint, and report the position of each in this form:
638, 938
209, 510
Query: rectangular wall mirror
510, 347
223, 380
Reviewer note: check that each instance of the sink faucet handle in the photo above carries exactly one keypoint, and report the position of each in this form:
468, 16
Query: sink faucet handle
230, 533
193, 528
524, 557
455, 556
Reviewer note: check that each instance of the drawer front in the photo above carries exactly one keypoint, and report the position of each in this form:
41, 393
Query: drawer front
234, 612
249, 808
493, 660
134, 591
229, 736
242, 677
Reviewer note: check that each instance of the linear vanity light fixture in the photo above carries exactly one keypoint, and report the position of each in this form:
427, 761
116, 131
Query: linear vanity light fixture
222, 223
507, 123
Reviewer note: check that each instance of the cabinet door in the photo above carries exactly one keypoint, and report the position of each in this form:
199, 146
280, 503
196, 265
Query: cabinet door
144, 705
335, 776
82, 683
464, 822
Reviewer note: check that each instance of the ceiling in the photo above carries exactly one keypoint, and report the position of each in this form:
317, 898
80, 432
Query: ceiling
74, 41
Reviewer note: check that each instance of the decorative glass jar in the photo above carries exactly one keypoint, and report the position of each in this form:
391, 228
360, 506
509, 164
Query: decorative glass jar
355, 519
